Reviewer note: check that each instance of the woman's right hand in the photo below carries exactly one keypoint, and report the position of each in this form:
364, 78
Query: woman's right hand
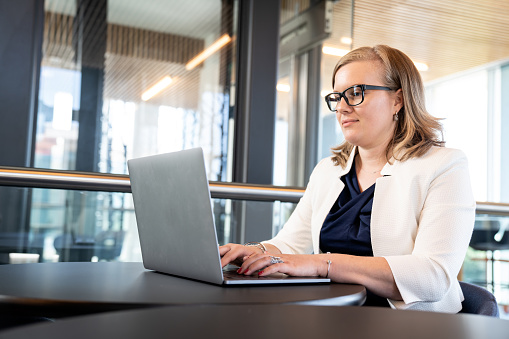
236, 254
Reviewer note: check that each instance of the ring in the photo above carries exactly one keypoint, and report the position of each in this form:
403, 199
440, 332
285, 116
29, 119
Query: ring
275, 260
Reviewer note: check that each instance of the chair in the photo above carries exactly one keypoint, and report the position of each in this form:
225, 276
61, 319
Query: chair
108, 244
71, 248
478, 301
489, 236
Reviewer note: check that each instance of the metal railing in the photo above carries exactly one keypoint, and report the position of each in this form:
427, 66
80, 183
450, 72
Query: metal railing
492, 208
44, 178
55, 179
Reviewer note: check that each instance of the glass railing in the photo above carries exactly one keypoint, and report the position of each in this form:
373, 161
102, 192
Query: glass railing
72, 216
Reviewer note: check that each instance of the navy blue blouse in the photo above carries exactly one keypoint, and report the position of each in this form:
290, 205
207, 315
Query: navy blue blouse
346, 228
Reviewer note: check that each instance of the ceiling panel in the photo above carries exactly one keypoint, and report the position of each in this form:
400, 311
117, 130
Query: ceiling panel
449, 35
146, 41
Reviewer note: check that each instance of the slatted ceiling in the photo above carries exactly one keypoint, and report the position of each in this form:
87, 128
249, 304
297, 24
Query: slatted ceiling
341, 27
142, 43
291, 8
450, 36
146, 41
129, 77
454, 27
341, 22
136, 59
190, 18
57, 40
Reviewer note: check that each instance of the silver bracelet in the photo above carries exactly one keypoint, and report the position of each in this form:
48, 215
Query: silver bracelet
256, 244
328, 268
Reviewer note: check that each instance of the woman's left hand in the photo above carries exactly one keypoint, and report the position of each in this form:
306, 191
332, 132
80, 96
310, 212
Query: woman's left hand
299, 265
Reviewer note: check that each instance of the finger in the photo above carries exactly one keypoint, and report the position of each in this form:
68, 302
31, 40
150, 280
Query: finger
252, 254
235, 255
228, 256
248, 261
224, 249
256, 263
275, 268
227, 259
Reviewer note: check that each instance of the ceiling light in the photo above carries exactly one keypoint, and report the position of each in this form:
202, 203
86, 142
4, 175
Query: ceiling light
346, 40
334, 51
162, 84
421, 66
283, 87
62, 111
222, 41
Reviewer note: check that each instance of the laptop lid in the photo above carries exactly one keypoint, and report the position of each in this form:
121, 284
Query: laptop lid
175, 220
174, 216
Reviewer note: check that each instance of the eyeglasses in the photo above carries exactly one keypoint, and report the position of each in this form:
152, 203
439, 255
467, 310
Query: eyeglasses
353, 96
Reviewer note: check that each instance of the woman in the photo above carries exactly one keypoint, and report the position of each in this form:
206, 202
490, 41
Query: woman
392, 206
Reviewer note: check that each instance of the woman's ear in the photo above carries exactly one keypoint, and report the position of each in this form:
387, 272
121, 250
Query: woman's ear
398, 100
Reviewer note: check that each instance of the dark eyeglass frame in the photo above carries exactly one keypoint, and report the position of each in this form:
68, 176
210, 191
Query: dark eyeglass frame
342, 94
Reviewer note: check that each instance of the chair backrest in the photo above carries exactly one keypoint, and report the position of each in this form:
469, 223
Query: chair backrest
478, 300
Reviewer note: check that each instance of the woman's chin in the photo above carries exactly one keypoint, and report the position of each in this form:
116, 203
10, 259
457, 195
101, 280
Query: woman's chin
353, 140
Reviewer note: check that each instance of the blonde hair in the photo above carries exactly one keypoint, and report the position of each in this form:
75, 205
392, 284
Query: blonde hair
416, 130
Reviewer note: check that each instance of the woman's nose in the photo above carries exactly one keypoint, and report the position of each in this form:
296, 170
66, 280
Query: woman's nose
343, 107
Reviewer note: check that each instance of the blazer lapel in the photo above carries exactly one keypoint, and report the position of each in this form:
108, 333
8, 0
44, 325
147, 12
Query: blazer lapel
335, 187
382, 188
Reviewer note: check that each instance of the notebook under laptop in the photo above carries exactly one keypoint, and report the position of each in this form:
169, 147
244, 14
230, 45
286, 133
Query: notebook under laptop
175, 221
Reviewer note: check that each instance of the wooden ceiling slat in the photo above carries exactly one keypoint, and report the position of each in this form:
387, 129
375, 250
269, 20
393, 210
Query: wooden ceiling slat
460, 29
449, 35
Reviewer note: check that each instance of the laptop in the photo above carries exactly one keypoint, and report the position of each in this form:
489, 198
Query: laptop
176, 227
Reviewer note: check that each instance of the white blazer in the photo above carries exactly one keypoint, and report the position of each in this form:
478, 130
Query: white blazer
421, 223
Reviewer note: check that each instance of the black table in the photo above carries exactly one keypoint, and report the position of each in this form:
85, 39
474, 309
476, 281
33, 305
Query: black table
62, 289
269, 321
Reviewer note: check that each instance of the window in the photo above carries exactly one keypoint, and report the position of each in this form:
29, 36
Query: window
124, 79
128, 79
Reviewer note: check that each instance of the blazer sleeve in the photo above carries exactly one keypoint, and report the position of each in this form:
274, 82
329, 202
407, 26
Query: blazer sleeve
444, 227
296, 235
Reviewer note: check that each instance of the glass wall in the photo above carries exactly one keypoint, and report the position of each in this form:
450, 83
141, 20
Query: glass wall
132, 79
503, 124
125, 79
305, 128
338, 44
61, 231
466, 122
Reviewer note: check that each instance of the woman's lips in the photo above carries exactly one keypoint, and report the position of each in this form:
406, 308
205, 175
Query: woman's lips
348, 122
